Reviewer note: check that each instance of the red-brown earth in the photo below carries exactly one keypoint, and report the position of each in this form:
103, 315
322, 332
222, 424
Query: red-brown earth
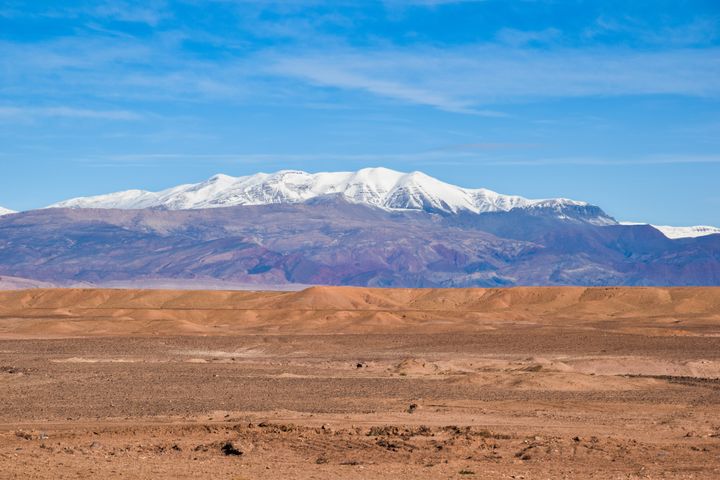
361, 383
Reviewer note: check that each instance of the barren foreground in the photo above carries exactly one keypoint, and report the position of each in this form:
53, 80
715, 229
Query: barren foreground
361, 383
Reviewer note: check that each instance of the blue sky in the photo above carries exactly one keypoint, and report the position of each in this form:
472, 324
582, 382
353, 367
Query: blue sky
612, 102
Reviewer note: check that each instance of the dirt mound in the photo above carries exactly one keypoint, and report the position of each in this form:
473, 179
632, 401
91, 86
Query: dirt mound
416, 366
98, 312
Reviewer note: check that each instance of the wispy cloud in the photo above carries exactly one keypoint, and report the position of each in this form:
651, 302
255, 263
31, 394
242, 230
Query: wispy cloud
68, 112
148, 12
674, 159
427, 3
700, 31
435, 157
464, 79
319, 71
472, 79
519, 38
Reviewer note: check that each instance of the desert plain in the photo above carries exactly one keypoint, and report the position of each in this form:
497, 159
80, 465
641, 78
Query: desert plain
360, 383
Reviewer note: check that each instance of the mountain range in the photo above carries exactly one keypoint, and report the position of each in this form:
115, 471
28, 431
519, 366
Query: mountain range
376, 187
374, 227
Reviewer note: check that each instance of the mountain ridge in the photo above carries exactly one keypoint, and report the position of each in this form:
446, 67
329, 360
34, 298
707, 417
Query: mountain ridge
377, 187
330, 241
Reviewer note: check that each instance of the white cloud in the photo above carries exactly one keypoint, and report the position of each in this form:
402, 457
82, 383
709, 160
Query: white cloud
488, 157
471, 79
519, 38
149, 12
68, 112
463, 79
319, 71
700, 31
426, 3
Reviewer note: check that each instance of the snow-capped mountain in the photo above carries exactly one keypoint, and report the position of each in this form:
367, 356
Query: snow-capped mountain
378, 187
687, 232
5, 211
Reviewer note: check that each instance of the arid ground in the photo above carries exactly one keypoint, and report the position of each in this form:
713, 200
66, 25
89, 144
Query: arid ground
355, 383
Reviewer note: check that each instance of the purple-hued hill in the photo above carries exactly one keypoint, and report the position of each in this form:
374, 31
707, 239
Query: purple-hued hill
331, 241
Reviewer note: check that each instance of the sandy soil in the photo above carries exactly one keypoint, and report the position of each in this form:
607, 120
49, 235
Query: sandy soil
360, 383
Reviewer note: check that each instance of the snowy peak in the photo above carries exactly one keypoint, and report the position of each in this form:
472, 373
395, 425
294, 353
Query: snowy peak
377, 187
687, 232
680, 232
5, 211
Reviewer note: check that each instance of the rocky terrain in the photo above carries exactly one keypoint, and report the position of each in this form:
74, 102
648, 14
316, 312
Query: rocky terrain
361, 383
